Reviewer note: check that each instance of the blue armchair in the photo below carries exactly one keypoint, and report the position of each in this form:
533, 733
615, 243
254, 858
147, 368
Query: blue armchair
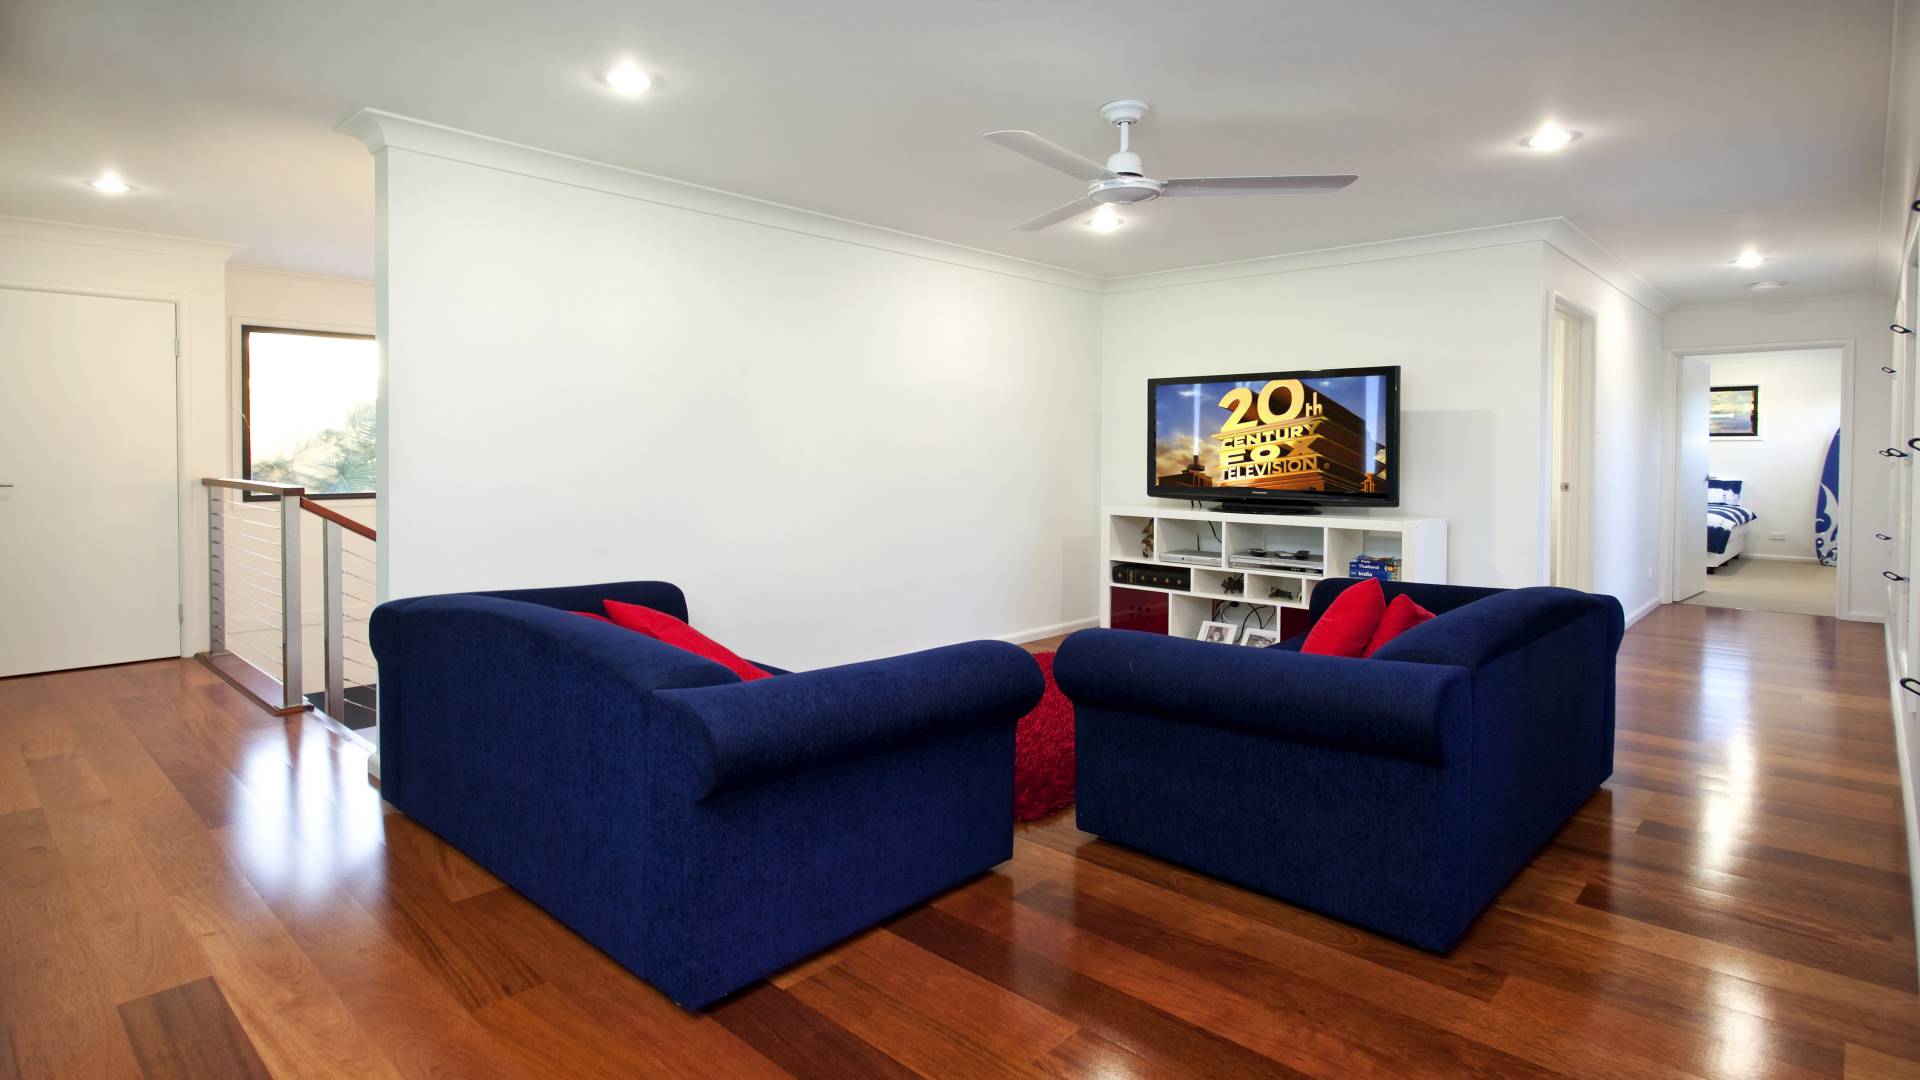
702, 831
1399, 792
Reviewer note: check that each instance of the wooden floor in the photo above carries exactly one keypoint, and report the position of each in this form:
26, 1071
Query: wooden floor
191, 888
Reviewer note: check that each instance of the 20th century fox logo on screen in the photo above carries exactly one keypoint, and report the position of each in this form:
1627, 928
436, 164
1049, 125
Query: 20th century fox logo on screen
1287, 437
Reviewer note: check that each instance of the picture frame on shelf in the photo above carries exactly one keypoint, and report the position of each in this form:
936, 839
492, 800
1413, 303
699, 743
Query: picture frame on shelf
1221, 632
1260, 637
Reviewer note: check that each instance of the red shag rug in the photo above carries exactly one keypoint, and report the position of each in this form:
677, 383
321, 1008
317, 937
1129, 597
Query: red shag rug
1043, 752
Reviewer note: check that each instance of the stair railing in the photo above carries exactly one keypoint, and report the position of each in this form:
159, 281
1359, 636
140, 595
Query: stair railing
254, 603
253, 590
347, 602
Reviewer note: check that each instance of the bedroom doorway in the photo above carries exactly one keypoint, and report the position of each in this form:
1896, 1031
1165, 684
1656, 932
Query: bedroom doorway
1766, 422
1570, 471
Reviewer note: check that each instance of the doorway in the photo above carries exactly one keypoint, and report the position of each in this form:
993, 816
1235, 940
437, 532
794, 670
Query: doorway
1570, 450
89, 481
1766, 424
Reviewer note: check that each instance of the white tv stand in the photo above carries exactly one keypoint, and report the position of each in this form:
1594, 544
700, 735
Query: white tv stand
1420, 543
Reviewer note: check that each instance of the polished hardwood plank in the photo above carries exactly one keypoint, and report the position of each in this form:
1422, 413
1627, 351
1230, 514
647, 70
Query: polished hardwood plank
188, 1032
190, 886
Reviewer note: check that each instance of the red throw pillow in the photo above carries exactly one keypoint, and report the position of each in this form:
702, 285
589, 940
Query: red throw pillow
666, 628
1401, 616
1347, 626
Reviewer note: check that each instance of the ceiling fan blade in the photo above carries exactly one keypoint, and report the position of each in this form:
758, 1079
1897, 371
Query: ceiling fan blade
1050, 154
1255, 185
1057, 215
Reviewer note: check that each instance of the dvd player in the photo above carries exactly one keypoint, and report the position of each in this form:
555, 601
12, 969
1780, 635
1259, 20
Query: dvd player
1194, 558
1287, 564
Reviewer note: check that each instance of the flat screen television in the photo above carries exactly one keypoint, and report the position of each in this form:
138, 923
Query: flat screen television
1280, 441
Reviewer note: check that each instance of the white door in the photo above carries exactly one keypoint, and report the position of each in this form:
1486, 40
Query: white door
1572, 432
89, 517
1690, 501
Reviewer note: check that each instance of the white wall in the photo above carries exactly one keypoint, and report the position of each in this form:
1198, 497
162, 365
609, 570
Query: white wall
1859, 323
1630, 399
1463, 326
1902, 168
1799, 411
1467, 323
187, 273
841, 442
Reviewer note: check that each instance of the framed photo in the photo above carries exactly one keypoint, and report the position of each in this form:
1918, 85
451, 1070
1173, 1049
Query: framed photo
1259, 637
1733, 412
1222, 632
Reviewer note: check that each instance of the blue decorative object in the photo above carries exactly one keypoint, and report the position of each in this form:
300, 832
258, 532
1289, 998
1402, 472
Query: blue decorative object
1385, 568
1826, 511
1399, 793
702, 831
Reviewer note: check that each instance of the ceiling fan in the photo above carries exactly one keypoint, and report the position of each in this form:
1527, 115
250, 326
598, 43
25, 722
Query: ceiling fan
1120, 180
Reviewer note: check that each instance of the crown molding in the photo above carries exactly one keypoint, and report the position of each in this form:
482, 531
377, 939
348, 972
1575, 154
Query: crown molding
302, 275
381, 131
1343, 255
1782, 304
121, 239
1559, 233
1573, 242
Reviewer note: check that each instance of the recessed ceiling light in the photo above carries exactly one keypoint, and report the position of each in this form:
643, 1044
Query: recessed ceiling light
1767, 286
109, 184
626, 78
1749, 259
1551, 136
1106, 219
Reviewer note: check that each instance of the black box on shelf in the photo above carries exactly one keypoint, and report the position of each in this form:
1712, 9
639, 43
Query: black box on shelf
1153, 577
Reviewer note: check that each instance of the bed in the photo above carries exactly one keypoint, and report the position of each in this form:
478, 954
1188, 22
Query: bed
1727, 522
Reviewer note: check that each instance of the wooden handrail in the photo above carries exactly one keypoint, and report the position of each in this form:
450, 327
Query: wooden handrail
338, 518
258, 487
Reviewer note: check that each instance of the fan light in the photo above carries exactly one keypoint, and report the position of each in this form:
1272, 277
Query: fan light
1749, 259
1106, 219
109, 184
1767, 286
626, 78
1550, 137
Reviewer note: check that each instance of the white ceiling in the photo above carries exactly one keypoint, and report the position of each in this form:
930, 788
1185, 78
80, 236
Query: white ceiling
1709, 124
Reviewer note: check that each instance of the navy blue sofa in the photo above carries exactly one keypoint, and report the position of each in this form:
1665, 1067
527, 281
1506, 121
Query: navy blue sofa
702, 831
1399, 792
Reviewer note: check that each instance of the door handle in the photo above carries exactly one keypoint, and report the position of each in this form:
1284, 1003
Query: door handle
1910, 684
1893, 452
1891, 576
1881, 536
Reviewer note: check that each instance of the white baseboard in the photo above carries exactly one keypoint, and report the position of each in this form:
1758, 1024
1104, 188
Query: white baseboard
1642, 611
1041, 632
1778, 558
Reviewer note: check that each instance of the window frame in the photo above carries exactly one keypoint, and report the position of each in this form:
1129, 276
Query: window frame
246, 405
1753, 412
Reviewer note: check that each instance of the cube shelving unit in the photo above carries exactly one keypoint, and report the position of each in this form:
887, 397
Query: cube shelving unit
1420, 544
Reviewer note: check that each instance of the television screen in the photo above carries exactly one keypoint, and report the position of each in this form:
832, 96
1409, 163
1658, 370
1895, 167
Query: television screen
1285, 436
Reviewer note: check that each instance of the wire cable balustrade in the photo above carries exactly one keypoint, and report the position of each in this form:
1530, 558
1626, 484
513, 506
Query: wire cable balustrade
255, 604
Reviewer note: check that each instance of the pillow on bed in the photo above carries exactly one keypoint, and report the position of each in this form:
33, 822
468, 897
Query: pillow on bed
1723, 492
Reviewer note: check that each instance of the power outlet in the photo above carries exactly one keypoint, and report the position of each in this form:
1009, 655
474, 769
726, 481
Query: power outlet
1776, 536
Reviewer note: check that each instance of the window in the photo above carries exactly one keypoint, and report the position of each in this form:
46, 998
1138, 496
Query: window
1733, 412
306, 409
